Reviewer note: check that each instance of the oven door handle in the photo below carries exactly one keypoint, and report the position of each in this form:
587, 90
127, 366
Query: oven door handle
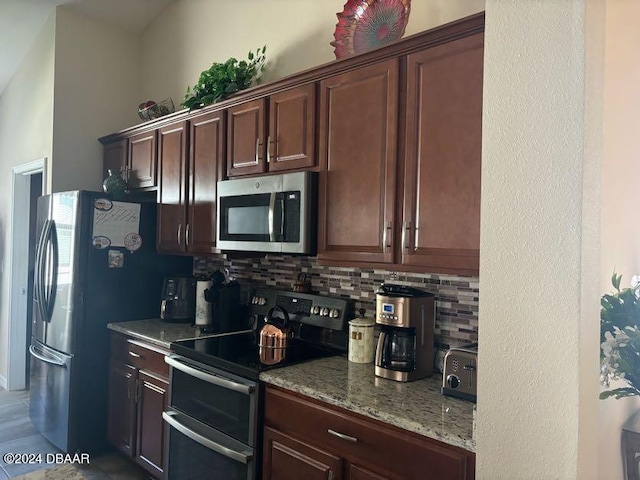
205, 442
209, 378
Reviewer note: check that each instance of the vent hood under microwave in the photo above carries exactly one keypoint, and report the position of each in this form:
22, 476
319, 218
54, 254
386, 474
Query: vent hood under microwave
274, 214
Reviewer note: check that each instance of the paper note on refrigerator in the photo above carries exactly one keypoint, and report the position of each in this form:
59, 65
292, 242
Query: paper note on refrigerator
115, 223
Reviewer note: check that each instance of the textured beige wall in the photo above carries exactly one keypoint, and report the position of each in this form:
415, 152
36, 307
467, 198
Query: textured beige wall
189, 35
620, 188
26, 125
97, 80
538, 319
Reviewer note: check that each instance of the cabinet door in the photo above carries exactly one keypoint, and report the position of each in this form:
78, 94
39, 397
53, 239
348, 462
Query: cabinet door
122, 406
205, 165
359, 473
142, 160
286, 458
152, 401
357, 145
443, 151
114, 157
292, 116
172, 148
245, 138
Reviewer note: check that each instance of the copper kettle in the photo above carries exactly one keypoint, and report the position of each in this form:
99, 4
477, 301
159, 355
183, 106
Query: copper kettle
274, 337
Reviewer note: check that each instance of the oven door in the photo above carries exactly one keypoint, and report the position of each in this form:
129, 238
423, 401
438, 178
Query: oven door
223, 401
196, 451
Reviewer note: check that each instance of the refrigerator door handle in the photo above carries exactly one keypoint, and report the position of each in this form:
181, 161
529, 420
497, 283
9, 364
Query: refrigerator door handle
41, 357
53, 258
39, 289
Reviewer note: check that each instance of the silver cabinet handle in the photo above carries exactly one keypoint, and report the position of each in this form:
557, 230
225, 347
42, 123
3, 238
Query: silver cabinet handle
257, 147
210, 444
268, 149
134, 355
209, 378
406, 230
386, 245
180, 234
187, 234
348, 438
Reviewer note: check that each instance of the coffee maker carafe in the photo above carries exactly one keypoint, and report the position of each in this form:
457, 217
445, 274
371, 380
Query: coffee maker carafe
405, 347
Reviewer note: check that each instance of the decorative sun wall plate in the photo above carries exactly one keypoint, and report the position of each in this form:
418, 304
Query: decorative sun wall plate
366, 24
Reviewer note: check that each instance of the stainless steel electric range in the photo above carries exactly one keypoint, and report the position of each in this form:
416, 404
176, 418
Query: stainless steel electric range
215, 402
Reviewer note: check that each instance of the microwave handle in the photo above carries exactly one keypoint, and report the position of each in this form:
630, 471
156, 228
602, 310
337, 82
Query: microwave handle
272, 211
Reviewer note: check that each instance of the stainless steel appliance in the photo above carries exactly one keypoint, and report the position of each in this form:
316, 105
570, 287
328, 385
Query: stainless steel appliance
215, 400
460, 375
178, 302
88, 272
405, 349
276, 213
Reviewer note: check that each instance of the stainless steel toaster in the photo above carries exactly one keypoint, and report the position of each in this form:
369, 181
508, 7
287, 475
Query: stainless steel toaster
460, 372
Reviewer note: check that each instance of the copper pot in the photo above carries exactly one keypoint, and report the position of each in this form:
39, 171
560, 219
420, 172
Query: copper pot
274, 337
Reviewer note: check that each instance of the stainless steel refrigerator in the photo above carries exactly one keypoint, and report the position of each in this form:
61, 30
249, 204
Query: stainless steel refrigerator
96, 263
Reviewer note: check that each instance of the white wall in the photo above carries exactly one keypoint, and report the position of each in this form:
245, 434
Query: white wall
538, 389
26, 126
189, 35
620, 188
97, 83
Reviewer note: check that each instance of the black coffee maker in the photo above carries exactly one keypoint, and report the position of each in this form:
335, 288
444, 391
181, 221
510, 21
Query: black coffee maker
406, 317
224, 312
178, 302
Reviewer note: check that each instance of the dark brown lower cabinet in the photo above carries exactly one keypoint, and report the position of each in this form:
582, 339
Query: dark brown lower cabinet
306, 438
289, 459
138, 394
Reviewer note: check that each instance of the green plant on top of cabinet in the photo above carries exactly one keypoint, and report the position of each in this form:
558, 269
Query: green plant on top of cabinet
191, 154
283, 141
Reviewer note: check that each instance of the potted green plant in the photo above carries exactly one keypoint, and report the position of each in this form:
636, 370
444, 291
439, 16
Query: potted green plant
620, 339
224, 79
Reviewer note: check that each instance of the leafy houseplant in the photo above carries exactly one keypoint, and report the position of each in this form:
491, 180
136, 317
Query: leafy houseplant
224, 79
620, 337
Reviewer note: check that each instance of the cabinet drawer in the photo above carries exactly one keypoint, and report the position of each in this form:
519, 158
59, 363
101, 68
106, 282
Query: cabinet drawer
143, 356
365, 441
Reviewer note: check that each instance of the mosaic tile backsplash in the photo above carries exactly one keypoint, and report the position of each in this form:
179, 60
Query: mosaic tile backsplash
456, 297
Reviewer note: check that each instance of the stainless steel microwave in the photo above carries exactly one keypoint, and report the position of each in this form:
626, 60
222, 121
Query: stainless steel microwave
276, 213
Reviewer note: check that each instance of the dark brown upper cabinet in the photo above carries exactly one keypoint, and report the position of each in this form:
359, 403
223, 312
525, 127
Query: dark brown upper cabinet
284, 142
142, 160
358, 156
191, 154
115, 157
441, 214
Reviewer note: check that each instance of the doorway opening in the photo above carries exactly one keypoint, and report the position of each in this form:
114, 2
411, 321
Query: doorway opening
29, 182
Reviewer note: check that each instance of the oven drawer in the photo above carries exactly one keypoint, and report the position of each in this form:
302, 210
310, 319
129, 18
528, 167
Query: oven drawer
219, 399
196, 450
140, 355
358, 439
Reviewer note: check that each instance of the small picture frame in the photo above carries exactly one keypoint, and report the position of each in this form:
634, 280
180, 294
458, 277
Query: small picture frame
116, 259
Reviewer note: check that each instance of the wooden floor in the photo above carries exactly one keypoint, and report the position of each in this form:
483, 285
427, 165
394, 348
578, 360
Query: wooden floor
17, 435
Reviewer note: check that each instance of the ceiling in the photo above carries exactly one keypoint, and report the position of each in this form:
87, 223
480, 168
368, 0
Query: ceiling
21, 21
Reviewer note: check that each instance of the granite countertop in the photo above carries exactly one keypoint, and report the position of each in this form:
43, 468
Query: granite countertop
417, 406
158, 332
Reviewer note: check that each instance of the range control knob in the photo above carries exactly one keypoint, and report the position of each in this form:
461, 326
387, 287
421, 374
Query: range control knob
262, 301
453, 381
254, 300
334, 313
315, 310
324, 312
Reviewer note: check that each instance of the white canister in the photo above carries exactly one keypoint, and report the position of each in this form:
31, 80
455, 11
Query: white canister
361, 347
203, 308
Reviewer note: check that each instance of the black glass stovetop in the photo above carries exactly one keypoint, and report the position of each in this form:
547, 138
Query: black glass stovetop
239, 353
